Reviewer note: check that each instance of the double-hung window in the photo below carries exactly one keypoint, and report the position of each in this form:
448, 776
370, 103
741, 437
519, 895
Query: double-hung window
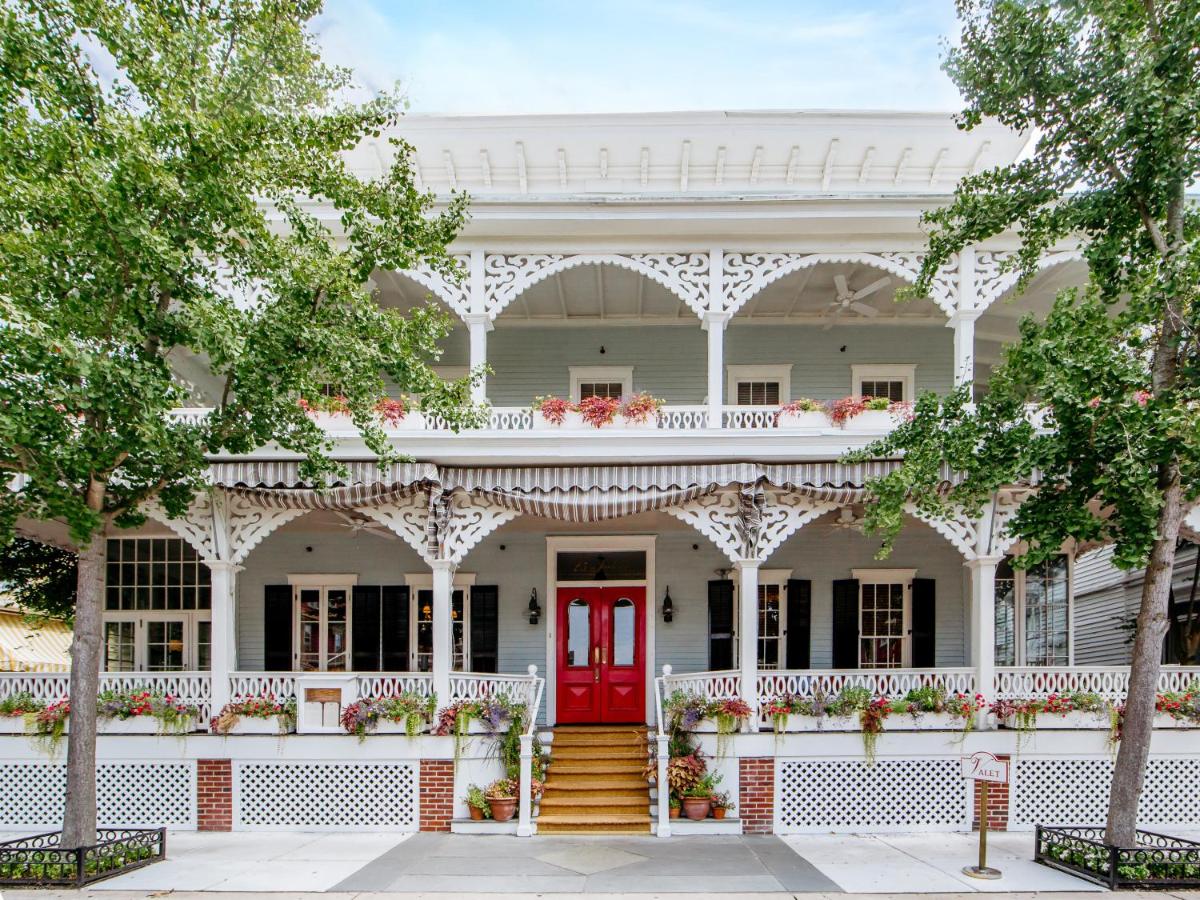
1033, 624
600, 381
895, 382
758, 385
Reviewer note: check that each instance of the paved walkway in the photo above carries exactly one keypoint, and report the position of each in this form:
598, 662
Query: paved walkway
343, 866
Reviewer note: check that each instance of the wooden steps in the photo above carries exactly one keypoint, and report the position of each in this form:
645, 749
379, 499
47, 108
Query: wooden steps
595, 783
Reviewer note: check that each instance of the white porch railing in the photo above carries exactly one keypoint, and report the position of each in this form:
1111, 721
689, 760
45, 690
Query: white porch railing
191, 688
710, 685
480, 685
894, 683
749, 417
1110, 682
392, 684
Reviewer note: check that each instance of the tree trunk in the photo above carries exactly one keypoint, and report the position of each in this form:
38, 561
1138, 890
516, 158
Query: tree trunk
1129, 772
79, 816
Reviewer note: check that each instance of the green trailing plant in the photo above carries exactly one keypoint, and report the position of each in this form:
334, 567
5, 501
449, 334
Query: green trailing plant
363, 716
170, 714
22, 703
49, 726
265, 707
477, 799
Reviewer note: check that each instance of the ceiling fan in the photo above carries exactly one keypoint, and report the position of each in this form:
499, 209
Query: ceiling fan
847, 519
362, 525
851, 301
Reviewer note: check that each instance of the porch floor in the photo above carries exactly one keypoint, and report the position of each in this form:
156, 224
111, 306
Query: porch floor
356, 864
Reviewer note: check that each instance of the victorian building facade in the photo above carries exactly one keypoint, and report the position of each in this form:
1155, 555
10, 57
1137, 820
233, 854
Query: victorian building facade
727, 265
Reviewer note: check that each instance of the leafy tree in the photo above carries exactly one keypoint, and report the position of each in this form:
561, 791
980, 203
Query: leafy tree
161, 169
1113, 90
38, 577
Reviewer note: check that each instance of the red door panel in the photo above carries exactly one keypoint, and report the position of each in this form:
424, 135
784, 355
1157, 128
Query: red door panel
601, 655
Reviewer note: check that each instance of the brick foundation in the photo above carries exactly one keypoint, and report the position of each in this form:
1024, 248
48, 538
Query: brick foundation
756, 794
437, 794
998, 795
214, 795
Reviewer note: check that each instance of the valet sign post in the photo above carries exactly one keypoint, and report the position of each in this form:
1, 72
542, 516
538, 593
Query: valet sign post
983, 768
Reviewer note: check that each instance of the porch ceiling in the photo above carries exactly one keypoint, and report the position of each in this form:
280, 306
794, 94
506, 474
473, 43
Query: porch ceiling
998, 326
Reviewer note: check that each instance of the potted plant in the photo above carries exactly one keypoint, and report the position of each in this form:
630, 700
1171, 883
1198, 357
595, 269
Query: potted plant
721, 804
405, 714
143, 712
639, 411
802, 413
16, 710
555, 412
874, 414
501, 796
599, 411
673, 806
697, 800
255, 715
477, 803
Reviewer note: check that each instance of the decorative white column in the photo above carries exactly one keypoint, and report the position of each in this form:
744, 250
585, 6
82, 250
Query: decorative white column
714, 324
983, 628
479, 325
223, 647
443, 582
748, 636
963, 323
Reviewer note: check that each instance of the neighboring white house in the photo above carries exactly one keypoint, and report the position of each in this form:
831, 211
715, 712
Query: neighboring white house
727, 263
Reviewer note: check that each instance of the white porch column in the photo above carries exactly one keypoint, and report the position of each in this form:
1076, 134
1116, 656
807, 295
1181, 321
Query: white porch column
223, 649
983, 627
748, 635
714, 324
479, 325
443, 581
963, 323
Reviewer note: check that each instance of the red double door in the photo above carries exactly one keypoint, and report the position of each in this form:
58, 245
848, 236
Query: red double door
601, 654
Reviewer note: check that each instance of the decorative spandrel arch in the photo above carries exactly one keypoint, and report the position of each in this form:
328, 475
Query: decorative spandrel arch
746, 274
506, 276
224, 526
993, 278
752, 523
456, 294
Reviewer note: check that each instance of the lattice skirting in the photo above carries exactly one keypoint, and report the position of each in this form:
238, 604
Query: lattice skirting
1074, 791
141, 794
846, 795
326, 796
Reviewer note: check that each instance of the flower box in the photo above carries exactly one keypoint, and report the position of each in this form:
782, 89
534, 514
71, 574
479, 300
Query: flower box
572, 420
1163, 720
340, 422
873, 420
260, 725
12, 724
1075, 719
650, 423
132, 725
392, 726
926, 721
798, 722
814, 418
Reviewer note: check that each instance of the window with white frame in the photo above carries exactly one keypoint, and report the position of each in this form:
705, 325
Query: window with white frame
157, 600
758, 385
1033, 626
772, 617
895, 382
321, 621
600, 381
421, 634
884, 617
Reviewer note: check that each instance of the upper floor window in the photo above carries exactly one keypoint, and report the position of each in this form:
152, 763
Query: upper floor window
895, 382
600, 381
1033, 613
759, 385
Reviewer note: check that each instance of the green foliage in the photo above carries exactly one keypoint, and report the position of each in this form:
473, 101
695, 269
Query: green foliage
39, 577
156, 160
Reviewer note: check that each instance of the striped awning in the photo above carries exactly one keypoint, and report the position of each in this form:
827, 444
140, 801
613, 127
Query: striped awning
41, 647
285, 474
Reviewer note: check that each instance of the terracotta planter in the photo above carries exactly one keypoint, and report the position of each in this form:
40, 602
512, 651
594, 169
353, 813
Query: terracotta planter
674, 811
697, 808
503, 808
718, 812
476, 813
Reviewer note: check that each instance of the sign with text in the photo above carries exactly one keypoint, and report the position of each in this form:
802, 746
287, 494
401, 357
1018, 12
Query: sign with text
984, 766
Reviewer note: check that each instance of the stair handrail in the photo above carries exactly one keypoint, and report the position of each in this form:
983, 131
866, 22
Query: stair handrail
525, 820
662, 757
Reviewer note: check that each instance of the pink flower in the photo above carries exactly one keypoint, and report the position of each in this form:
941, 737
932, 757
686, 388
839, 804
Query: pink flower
1094, 403
1141, 398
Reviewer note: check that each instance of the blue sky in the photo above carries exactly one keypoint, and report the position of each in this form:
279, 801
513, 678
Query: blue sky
457, 56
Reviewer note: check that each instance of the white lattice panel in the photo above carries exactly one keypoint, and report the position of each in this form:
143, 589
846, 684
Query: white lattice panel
323, 796
847, 795
1075, 792
147, 794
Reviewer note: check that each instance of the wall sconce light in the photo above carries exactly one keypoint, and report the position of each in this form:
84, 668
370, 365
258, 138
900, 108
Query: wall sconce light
668, 606
535, 611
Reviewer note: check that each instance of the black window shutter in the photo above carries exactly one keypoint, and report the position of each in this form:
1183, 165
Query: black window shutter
720, 625
485, 627
393, 630
799, 622
277, 627
364, 637
845, 624
924, 623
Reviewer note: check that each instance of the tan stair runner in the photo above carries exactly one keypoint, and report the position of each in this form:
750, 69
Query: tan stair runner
595, 782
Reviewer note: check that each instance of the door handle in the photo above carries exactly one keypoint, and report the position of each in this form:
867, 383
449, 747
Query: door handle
604, 656
596, 655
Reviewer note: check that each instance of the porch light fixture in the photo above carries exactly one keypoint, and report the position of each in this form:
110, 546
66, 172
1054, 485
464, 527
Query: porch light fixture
535, 611
668, 608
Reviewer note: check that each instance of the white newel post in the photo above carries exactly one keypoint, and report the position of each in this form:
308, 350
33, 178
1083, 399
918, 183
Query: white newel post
748, 640
983, 628
662, 785
443, 580
525, 820
223, 648
714, 324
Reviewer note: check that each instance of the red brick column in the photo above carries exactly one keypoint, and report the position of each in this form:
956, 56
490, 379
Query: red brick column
214, 795
437, 794
756, 794
998, 795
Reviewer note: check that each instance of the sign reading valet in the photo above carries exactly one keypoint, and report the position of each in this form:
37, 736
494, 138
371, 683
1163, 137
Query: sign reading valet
984, 768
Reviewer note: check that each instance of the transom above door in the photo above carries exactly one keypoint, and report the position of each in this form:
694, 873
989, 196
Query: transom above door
601, 654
